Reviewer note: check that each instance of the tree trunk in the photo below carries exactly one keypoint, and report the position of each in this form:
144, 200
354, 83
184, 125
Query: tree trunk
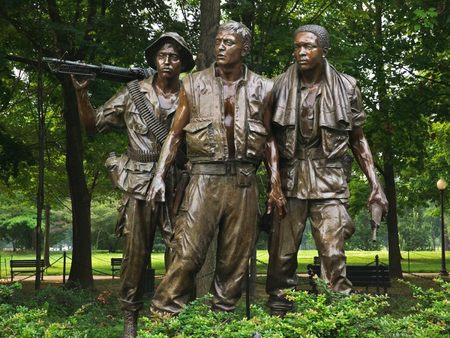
47, 236
209, 22
395, 267
81, 267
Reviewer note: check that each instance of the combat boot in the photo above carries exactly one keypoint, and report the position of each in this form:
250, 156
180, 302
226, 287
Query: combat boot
130, 324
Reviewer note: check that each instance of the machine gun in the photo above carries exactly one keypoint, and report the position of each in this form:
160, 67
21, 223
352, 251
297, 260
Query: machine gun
105, 72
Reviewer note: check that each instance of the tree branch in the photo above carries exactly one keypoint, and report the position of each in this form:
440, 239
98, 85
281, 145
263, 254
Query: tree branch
319, 13
424, 77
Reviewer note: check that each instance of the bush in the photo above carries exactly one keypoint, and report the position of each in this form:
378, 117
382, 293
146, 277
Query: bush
328, 314
57, 312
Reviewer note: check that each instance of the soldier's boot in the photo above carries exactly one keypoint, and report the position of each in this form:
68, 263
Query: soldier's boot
130, 324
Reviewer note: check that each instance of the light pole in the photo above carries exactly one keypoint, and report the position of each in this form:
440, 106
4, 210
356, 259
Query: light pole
441, 185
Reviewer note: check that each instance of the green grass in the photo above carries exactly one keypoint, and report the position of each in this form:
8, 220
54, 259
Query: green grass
420, 261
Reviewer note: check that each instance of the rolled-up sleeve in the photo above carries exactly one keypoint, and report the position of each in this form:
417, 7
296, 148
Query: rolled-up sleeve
111, 114
358, 114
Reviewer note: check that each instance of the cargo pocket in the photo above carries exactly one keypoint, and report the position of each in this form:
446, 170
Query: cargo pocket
330, 178
256, 139
136, 178
198, 138
348, 227
121, 216
116, 165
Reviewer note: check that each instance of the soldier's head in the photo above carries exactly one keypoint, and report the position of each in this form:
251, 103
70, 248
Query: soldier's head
233, 42
311, 45
169, 55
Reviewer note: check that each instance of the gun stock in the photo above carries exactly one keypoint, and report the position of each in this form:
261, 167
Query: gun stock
104, 72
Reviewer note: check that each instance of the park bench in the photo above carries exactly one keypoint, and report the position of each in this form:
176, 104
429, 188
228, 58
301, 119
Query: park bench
374, 274
19, 266
116, 263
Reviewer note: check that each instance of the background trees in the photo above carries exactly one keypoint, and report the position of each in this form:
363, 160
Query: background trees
398, 50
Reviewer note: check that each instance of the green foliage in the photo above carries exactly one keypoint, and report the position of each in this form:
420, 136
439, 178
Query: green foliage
17, 220
103, 218
56, 312
8, 290
326, 315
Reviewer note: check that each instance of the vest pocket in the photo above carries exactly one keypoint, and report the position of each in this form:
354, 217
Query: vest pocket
198, 138
256, 139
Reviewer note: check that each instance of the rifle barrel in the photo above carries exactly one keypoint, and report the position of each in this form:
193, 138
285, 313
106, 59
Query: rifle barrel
105, 72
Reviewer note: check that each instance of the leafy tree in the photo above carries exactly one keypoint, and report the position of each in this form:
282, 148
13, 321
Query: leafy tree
17, 222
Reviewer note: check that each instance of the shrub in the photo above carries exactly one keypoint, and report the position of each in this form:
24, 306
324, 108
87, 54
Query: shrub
328, 314
56, 312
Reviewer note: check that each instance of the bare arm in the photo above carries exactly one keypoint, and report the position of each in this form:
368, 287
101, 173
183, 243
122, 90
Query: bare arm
363, 155
85, 109
276, 196
169, 149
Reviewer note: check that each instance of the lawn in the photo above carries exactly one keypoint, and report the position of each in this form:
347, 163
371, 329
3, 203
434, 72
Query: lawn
419, 261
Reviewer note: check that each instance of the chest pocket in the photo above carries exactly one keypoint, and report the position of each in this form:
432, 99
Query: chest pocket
199, 138
136, 123
256, 139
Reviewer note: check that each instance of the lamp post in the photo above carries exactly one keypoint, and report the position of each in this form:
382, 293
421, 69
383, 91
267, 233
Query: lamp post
441, 185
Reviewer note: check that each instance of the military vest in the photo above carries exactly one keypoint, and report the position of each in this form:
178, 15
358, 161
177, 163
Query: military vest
206, 134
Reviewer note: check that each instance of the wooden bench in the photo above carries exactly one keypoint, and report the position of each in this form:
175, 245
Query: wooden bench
116, 264
374, 274
19, 266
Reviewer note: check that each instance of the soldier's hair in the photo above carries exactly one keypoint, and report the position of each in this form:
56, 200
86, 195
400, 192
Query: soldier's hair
238, 29
319, 31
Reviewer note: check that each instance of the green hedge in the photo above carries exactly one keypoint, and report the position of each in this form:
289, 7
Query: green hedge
56, 312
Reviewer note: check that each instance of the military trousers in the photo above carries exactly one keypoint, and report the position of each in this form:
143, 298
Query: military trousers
331, 225
140, 223
211, 203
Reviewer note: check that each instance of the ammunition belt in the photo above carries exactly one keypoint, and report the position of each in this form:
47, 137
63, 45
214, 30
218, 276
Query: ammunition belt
146, 111
142, 155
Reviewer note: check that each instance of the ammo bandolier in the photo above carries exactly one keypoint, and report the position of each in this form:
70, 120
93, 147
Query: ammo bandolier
222, 192
314, 167
132, 173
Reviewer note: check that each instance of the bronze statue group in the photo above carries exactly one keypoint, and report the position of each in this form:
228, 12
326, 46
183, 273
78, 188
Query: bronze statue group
225, 121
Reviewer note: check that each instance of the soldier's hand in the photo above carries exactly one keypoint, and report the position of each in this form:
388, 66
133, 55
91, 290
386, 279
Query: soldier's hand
157, 191
377, 196
79, 83
277, 199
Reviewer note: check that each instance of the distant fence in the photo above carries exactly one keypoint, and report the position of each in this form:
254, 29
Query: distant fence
61, 263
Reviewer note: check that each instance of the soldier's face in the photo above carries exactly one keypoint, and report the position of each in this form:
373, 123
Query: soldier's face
168, 61
229, 49
307, 52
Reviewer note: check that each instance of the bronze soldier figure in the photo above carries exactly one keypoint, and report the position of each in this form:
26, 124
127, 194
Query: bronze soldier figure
132, 172
225, 115
318, 115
